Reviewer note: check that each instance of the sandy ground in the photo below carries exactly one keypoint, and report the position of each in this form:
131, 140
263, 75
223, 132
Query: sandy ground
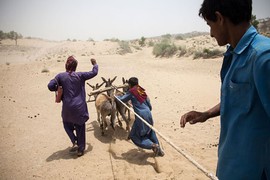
34, 144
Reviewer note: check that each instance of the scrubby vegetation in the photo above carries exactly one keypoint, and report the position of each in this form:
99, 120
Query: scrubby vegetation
182, 51
207, 53
151, 43
112, 40
164, 49
45, 70
179, 37
254, 21
142, 41
124, 47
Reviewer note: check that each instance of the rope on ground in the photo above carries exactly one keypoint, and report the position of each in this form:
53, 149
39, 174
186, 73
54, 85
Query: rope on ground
200, 167
111, 161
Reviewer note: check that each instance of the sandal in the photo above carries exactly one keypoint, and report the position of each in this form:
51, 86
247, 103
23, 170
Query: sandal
157, 150
74, 148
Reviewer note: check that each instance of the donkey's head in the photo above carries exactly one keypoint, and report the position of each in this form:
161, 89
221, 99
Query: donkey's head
96, 87
108, 83
125, 81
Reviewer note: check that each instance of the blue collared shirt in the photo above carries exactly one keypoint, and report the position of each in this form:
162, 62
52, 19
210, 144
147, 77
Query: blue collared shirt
244, 147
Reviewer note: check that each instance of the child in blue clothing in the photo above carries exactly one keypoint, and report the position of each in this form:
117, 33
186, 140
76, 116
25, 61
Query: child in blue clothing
141, 135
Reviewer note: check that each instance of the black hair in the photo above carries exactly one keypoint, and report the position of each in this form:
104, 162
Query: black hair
236, 10
133, 81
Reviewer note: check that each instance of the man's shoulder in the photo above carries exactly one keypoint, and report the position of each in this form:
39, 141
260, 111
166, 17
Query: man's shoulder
261, 43
261, 39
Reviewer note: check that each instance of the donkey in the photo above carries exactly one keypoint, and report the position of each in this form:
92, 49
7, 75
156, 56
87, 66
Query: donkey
106, 106
121, 108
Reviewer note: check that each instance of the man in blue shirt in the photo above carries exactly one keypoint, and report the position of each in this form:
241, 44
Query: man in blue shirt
74, 107
244, 108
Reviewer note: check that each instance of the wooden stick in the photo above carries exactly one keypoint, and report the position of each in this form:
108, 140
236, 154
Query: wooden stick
106, 89
90, 101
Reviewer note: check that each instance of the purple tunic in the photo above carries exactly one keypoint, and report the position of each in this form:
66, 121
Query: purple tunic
74, 107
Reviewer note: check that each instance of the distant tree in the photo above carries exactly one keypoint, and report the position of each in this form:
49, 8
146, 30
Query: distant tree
90, 40
11, 35
2, 35
254, 21
166, 36
142, 41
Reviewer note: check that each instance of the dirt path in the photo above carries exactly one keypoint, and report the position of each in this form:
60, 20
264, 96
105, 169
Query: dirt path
35, 146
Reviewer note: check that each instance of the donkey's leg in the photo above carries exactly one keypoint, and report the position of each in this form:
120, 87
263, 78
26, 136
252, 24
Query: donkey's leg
113, 114
98, 119
122, 112
119, 121
103, 125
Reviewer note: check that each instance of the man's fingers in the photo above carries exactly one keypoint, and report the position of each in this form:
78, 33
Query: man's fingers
188, 117
183, 121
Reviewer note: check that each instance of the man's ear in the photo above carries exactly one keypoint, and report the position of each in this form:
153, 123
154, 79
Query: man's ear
220, 17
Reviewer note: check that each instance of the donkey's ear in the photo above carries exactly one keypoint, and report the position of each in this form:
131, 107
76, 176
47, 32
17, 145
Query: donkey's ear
113, 79
98, 86
104, 80
123, 80
90, 85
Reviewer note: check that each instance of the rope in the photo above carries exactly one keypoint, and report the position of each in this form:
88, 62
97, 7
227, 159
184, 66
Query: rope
200, 167
111, 162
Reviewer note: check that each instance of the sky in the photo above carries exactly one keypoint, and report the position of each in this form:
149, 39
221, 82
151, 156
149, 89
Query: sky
106, 19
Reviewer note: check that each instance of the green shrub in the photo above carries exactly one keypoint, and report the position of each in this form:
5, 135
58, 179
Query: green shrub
151, 43
137, 47
164, 49
90, 40
182, 50
198, 54
166, 36
207, 53
112, 40
45, 70
179, 37
124, 48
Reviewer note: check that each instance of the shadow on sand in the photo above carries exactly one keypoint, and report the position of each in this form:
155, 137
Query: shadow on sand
136, 156
64, 154
110, 134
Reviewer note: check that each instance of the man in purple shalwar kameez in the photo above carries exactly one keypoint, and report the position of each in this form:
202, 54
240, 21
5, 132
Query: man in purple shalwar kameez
74, 107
